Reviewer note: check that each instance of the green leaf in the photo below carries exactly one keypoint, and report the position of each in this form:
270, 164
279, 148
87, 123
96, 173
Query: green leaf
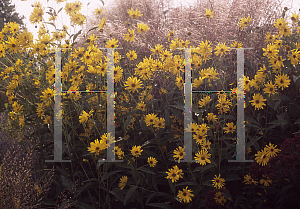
129, 193
127, 122
68, 185
275, 123
160, 205
171, 186
146, 170
117, 194
59, 10
92, 29
6, 105
76, 35
167, 119
177, 113
206, 167
191, 183
51, 23
107, 175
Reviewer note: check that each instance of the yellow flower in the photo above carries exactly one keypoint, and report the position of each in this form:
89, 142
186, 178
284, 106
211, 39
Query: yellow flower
36, 15
129, 37
174, 174
134, 14
98, 11
158, 49
258, 101
230, 127
160, 123
131, 55
280, 23
294, 57
295, 18
12, 44
282, 81
285, 30
47, 120
202, 157
112, 43
262, 157
136, 151
221, 49
152, 161
209, 14
218, 182
171, 33
219, 197
244, 22
205, 144
236, 45
270, 88
132, 84
270, 51
142, 28
83, 118
97, 146
211, 117
271, 150
179, 153
205, 101
185, 195
123, 182
38, 189
266, 181
249, 180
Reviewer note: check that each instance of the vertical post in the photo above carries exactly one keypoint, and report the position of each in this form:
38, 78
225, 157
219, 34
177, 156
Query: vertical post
188, 107
57, 111
240, 140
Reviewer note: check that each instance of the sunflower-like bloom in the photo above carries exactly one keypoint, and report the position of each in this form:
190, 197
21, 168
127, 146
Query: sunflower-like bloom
136, 151
282, 81
174, 174
262, 157
258, 101
244, 22
36, 15
142, 28
112, 43
209, 14
123, 182
230, 128
133, 84
179, 153
221, 49
270, 88
97, 146
202, 157
98, 11
131, 55
272, 150
152, 161
85, 116
134, 14
129, 37
218, 182
249, 180
185, 195
12, 44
